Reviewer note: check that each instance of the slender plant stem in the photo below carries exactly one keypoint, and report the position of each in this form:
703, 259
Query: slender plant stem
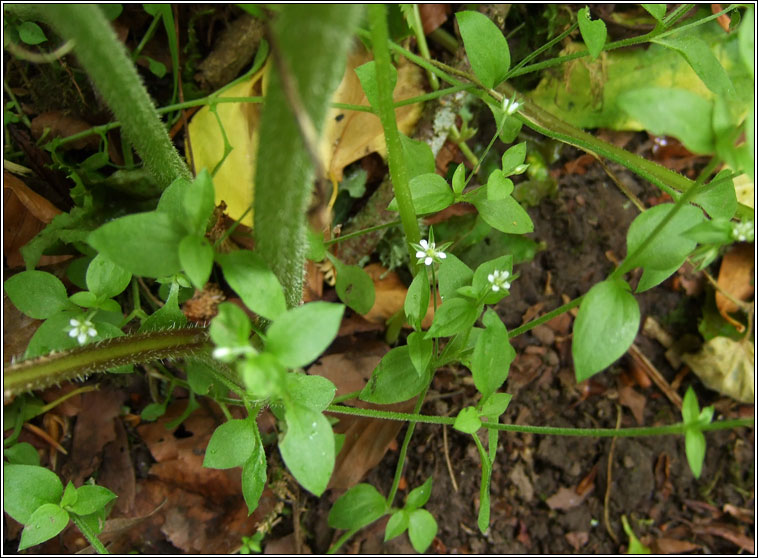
672, 429
546, 317
89, 534
386, 113
361, 232
342, 540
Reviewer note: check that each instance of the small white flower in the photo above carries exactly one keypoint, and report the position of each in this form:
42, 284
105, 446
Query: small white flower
427, 252
744, 231
81, 329
498, 280
510, 107
229, 354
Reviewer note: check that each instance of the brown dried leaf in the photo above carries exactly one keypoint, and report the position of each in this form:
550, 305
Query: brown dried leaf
736, 278
728, 532
726, 366
61, 125
577, 539
390, 296
666, 545
432, 16
635, 401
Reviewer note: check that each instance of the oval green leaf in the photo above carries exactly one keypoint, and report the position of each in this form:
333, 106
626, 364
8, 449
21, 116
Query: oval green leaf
356, 508
300, 335
256, 284
486, 47
37, 294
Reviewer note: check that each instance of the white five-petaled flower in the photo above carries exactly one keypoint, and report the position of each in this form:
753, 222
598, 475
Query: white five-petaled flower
743, 231
426, 252
81, 329
499, 280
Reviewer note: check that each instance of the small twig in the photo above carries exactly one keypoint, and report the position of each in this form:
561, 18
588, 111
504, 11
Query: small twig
656, 376
36, 430
447, 458
621, 186
607, 499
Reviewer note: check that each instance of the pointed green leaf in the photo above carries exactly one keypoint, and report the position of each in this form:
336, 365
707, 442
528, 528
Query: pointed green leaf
605, 327
452, 275
198, 203
106, 279
418, 156
454, 316
300, 335
420, 350
231, 445
256, 284
196, 256
354, 287
308, 448
26, 488
486, 47
356, 508
493, 355
394, 380
91, 498
47, 521
417, 299
422, 528
506, 215
37, 294
396, 525
467, 420
254, 477
419, 496
593, 33
513, 157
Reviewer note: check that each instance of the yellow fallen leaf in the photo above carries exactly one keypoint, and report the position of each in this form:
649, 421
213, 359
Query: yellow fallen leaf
726, 366
234, 178
348, 135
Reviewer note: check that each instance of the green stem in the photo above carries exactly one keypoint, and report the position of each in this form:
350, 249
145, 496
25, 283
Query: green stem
672, 429
404, 448
361, 232
107, 63
545, 318
89, 534
386, 113
423, 48
342, 540
48, 370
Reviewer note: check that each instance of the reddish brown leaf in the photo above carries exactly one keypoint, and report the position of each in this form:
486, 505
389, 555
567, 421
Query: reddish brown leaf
635, 401
736, 278
577, 539
565, 499
433, 15
666, 545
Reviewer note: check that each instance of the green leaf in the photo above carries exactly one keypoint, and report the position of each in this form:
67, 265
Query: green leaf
667, 252
156, 67
493, 355
91, 498
31, 33
694, 447
417, 299
70, 495
494, 405
498, 186
690, 408
593, 33
419, 158
145, 244
196, 257
256, 284
668, 111
505, 215
106, 279
467, 420
508, 126
47, 521
419, 496
231, 445
701, 59
367, 76
37, 294
172, 198
300, 335
454, 316
168, 316
397, 524
308, 448
420, 351
231, 326
430, 194
314, 392
356, 508
52, 335
635, 546
514, 157
263, 375
486, 47
718, 198
459, 179
198, 202
199, 376
746, 40
22, 453
422, 528
153, 411
111, 11
394, 380
605, 327
254, 476
354, 287
658, 11
452, 275
26, 488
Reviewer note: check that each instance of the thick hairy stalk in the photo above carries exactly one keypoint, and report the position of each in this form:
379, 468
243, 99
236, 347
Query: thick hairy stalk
52, 369
105, 60
311, 42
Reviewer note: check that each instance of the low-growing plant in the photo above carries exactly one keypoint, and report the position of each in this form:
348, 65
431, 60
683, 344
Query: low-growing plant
258, 362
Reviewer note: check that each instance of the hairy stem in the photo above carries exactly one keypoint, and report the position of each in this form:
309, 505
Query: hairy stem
107, 63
